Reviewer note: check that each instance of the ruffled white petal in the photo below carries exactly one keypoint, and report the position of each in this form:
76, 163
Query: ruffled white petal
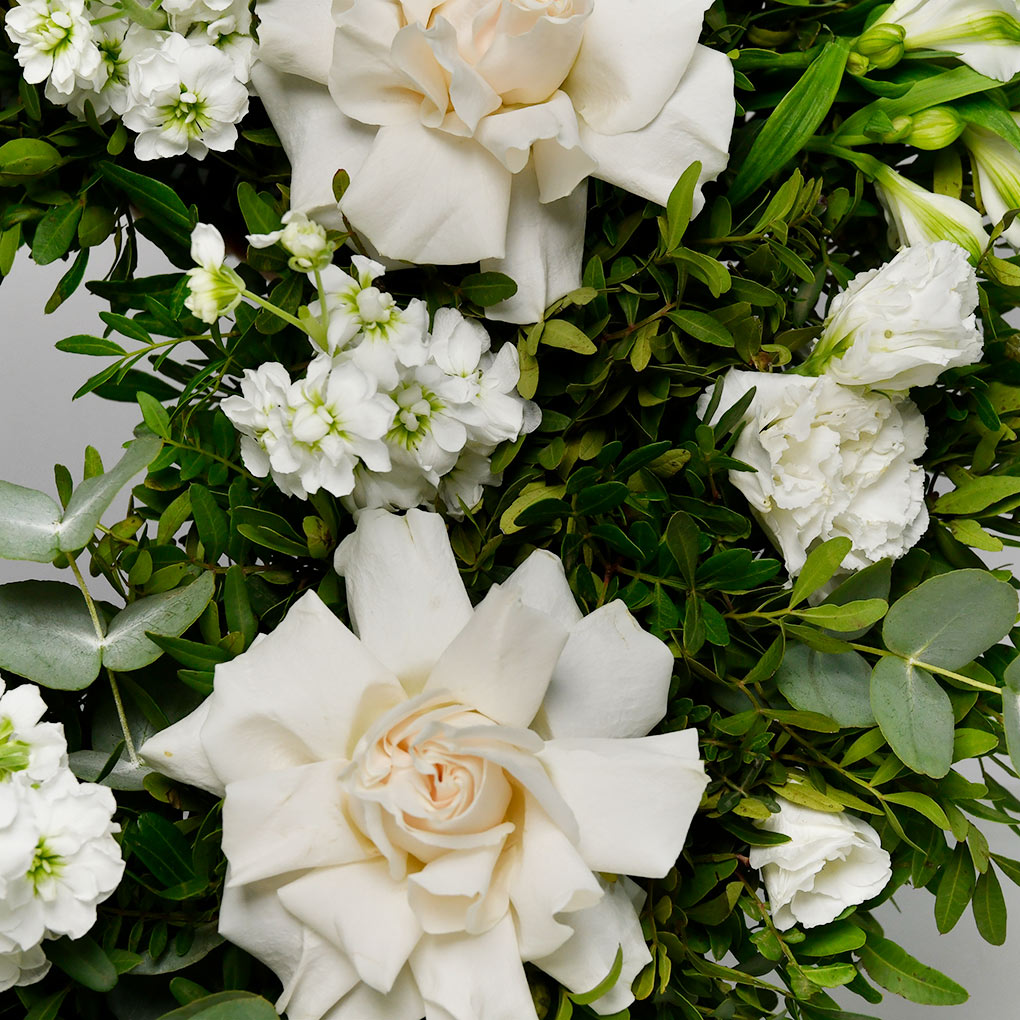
632, 56
612, 679
695, 124
544, 247
425, 196
654, 785
405, 595
401, 1002
502, 661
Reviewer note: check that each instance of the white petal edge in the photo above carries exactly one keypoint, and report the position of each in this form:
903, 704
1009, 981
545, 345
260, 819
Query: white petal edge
178, 752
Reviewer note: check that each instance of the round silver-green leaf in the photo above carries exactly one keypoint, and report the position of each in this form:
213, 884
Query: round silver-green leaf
837, 686
28, 524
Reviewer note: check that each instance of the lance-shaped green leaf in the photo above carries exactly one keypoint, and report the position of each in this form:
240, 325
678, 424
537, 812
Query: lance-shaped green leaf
956, 886
896, 970
89, 501
225, 1006
47, 635
950, 619
914, 714
29, 520
837, 686
794, 120
168, 614
1011, 710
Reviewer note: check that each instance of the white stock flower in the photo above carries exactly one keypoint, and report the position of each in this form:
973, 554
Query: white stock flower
829, 461
55, 41
469, 129
58, 860
918, 216
20, 967
303, 239
984, 34
412, 813
462, 486
214, 289
996, 164
833, 861
29, 748
311, 434
903, 324
184, 99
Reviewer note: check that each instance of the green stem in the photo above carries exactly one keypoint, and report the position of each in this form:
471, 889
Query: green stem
959, 677
279, 312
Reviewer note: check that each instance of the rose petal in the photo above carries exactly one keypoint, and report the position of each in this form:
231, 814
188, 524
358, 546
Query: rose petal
465, 977
296, 37
363, 912
541, 583
318, 139
633, 54
426, 196
600, 932
550, 878
288, 820
612, 679
258, 719
178, 752
502, 661
315, 975
401, 1002
633, 799
405, 595
544, 246
694, 124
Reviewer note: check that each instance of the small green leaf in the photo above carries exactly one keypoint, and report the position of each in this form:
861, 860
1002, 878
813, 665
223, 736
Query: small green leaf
605, 985
822, 562
154, 414
596, 499
679, 206
259, 215
682, 542
837, 686
212, 523
976, 494
702, 326
486, 289
921, 803
28, 157
954, 890
851, 616
166, 212
162, 848
970, 743
565, 335
989, 908
55, 232
914, 714
84, 962
237, 606
837, 937
897, 971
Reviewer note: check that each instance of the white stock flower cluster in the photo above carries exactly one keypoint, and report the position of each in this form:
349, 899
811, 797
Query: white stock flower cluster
58, 855
390, 413
177, 75
831, 455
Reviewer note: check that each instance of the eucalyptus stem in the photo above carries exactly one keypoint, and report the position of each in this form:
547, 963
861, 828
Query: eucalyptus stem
129, 744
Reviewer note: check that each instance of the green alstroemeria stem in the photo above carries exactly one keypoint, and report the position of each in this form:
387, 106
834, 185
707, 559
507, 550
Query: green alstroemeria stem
129, 744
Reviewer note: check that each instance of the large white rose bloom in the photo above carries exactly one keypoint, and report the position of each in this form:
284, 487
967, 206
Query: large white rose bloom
829, 461
470, 127
413, 812
833, 861
903, 324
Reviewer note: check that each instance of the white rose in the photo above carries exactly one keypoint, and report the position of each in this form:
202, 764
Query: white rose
833, 861
918, 216
903, 324
829, 461
413, 813
984, 34
996, 164
470, 128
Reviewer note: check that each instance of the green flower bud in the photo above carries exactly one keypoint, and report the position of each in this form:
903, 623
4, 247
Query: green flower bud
935, 128
882, 45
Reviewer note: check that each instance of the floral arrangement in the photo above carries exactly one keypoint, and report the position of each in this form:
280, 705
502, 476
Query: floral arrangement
556, 570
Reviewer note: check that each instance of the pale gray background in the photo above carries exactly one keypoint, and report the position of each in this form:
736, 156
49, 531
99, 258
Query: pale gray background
41, 426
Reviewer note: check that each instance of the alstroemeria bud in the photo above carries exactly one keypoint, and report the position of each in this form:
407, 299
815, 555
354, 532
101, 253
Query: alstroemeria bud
882, 45
919, 216
997, 175
934, 128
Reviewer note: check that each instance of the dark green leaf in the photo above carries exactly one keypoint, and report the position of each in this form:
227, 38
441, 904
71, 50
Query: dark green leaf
487, 289
822, 562
167, 213
212, 523
680, 205
55, 232
989, 907
84, 962
896, 970
954, 891
225, 1006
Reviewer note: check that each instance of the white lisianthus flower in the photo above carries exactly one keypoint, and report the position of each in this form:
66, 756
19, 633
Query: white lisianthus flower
996, 164
833, 861
470, 130
20, 967
214, 289
829, 461
55, 41
903, 324
984, 34
918, 216
58, 860
184, 99
304, 240
412, 813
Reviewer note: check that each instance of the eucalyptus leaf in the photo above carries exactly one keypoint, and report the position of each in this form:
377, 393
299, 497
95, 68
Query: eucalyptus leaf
914, 714
29, 521
47, 635
837, 686
951, 618
89, 765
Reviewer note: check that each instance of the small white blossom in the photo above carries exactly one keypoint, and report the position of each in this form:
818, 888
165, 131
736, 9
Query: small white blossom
55, 41
214, 288
29, 748
463, 485
903, 324
260, 414
58, 860
304, 239
21, 967
185, 99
